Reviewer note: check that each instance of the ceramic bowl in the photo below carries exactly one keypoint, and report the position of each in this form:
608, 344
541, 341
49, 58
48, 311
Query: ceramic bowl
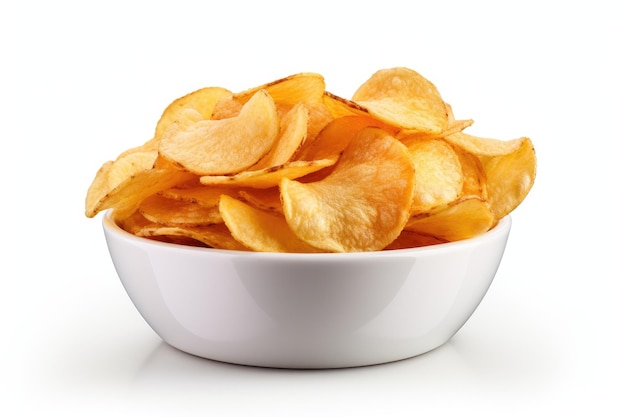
306, 310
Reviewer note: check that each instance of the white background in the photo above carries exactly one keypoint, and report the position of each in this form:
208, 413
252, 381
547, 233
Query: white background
82, 81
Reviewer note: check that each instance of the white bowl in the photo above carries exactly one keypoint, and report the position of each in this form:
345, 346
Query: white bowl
306, 310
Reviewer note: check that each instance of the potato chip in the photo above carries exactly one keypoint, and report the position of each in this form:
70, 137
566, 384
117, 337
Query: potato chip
268, 177
336, 135
339, 107
226, 108
319, 116
202, 101
474, 177
510, 177
408, 239
267, 199
219, 147
215, 236
197, 194
459, 220
260, 230
455, 125
289, 166
362, 204
402, 97
129, 164
452, 126
168, 212
306, 87
293, 132
185, 118
484, 146
98, 189
126, 197
113, 173
438, 173
116, 181
303, 88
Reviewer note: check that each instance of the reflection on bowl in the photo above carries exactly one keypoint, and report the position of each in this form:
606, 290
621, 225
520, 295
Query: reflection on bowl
306, 310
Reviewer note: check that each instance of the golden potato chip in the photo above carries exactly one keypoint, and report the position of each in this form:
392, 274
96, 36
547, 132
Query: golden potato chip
168, 212
219, 147
215, 236
202, 101
126, 197
226, 107
402, 97
460, 220
452, 126
449, 112
268, 177
182, 116
319, 116
306, 87
303, 88
134, 223
197, 194
339, 107
362, 204
289, 166
455, 125
474, 177
336, 135
260, 230
438, 173
113, 173
98, 189
129, 164
408, 239
484, 146
262, 198
510, 177
293, 132
116, 180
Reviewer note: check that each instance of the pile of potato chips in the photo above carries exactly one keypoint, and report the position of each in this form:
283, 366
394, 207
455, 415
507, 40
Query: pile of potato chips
290, 167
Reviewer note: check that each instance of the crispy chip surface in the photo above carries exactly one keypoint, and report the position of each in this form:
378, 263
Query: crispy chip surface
129, 194
215, 236
362, 204
305, 87
260, 230
335, 136
480, 146
268, 177
287, 166
174, 212
226, 146
265, 199
510, 178
409, 239
474, 177
129, 164
293, 132
202, 101
98, 189
197, 193
459, 220
438, 173
404, 98
339, 106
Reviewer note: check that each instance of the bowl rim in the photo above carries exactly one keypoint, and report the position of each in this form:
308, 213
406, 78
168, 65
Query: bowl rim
502, 227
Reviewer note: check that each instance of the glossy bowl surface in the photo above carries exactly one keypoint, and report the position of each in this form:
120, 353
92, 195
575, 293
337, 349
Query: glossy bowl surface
306, 310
